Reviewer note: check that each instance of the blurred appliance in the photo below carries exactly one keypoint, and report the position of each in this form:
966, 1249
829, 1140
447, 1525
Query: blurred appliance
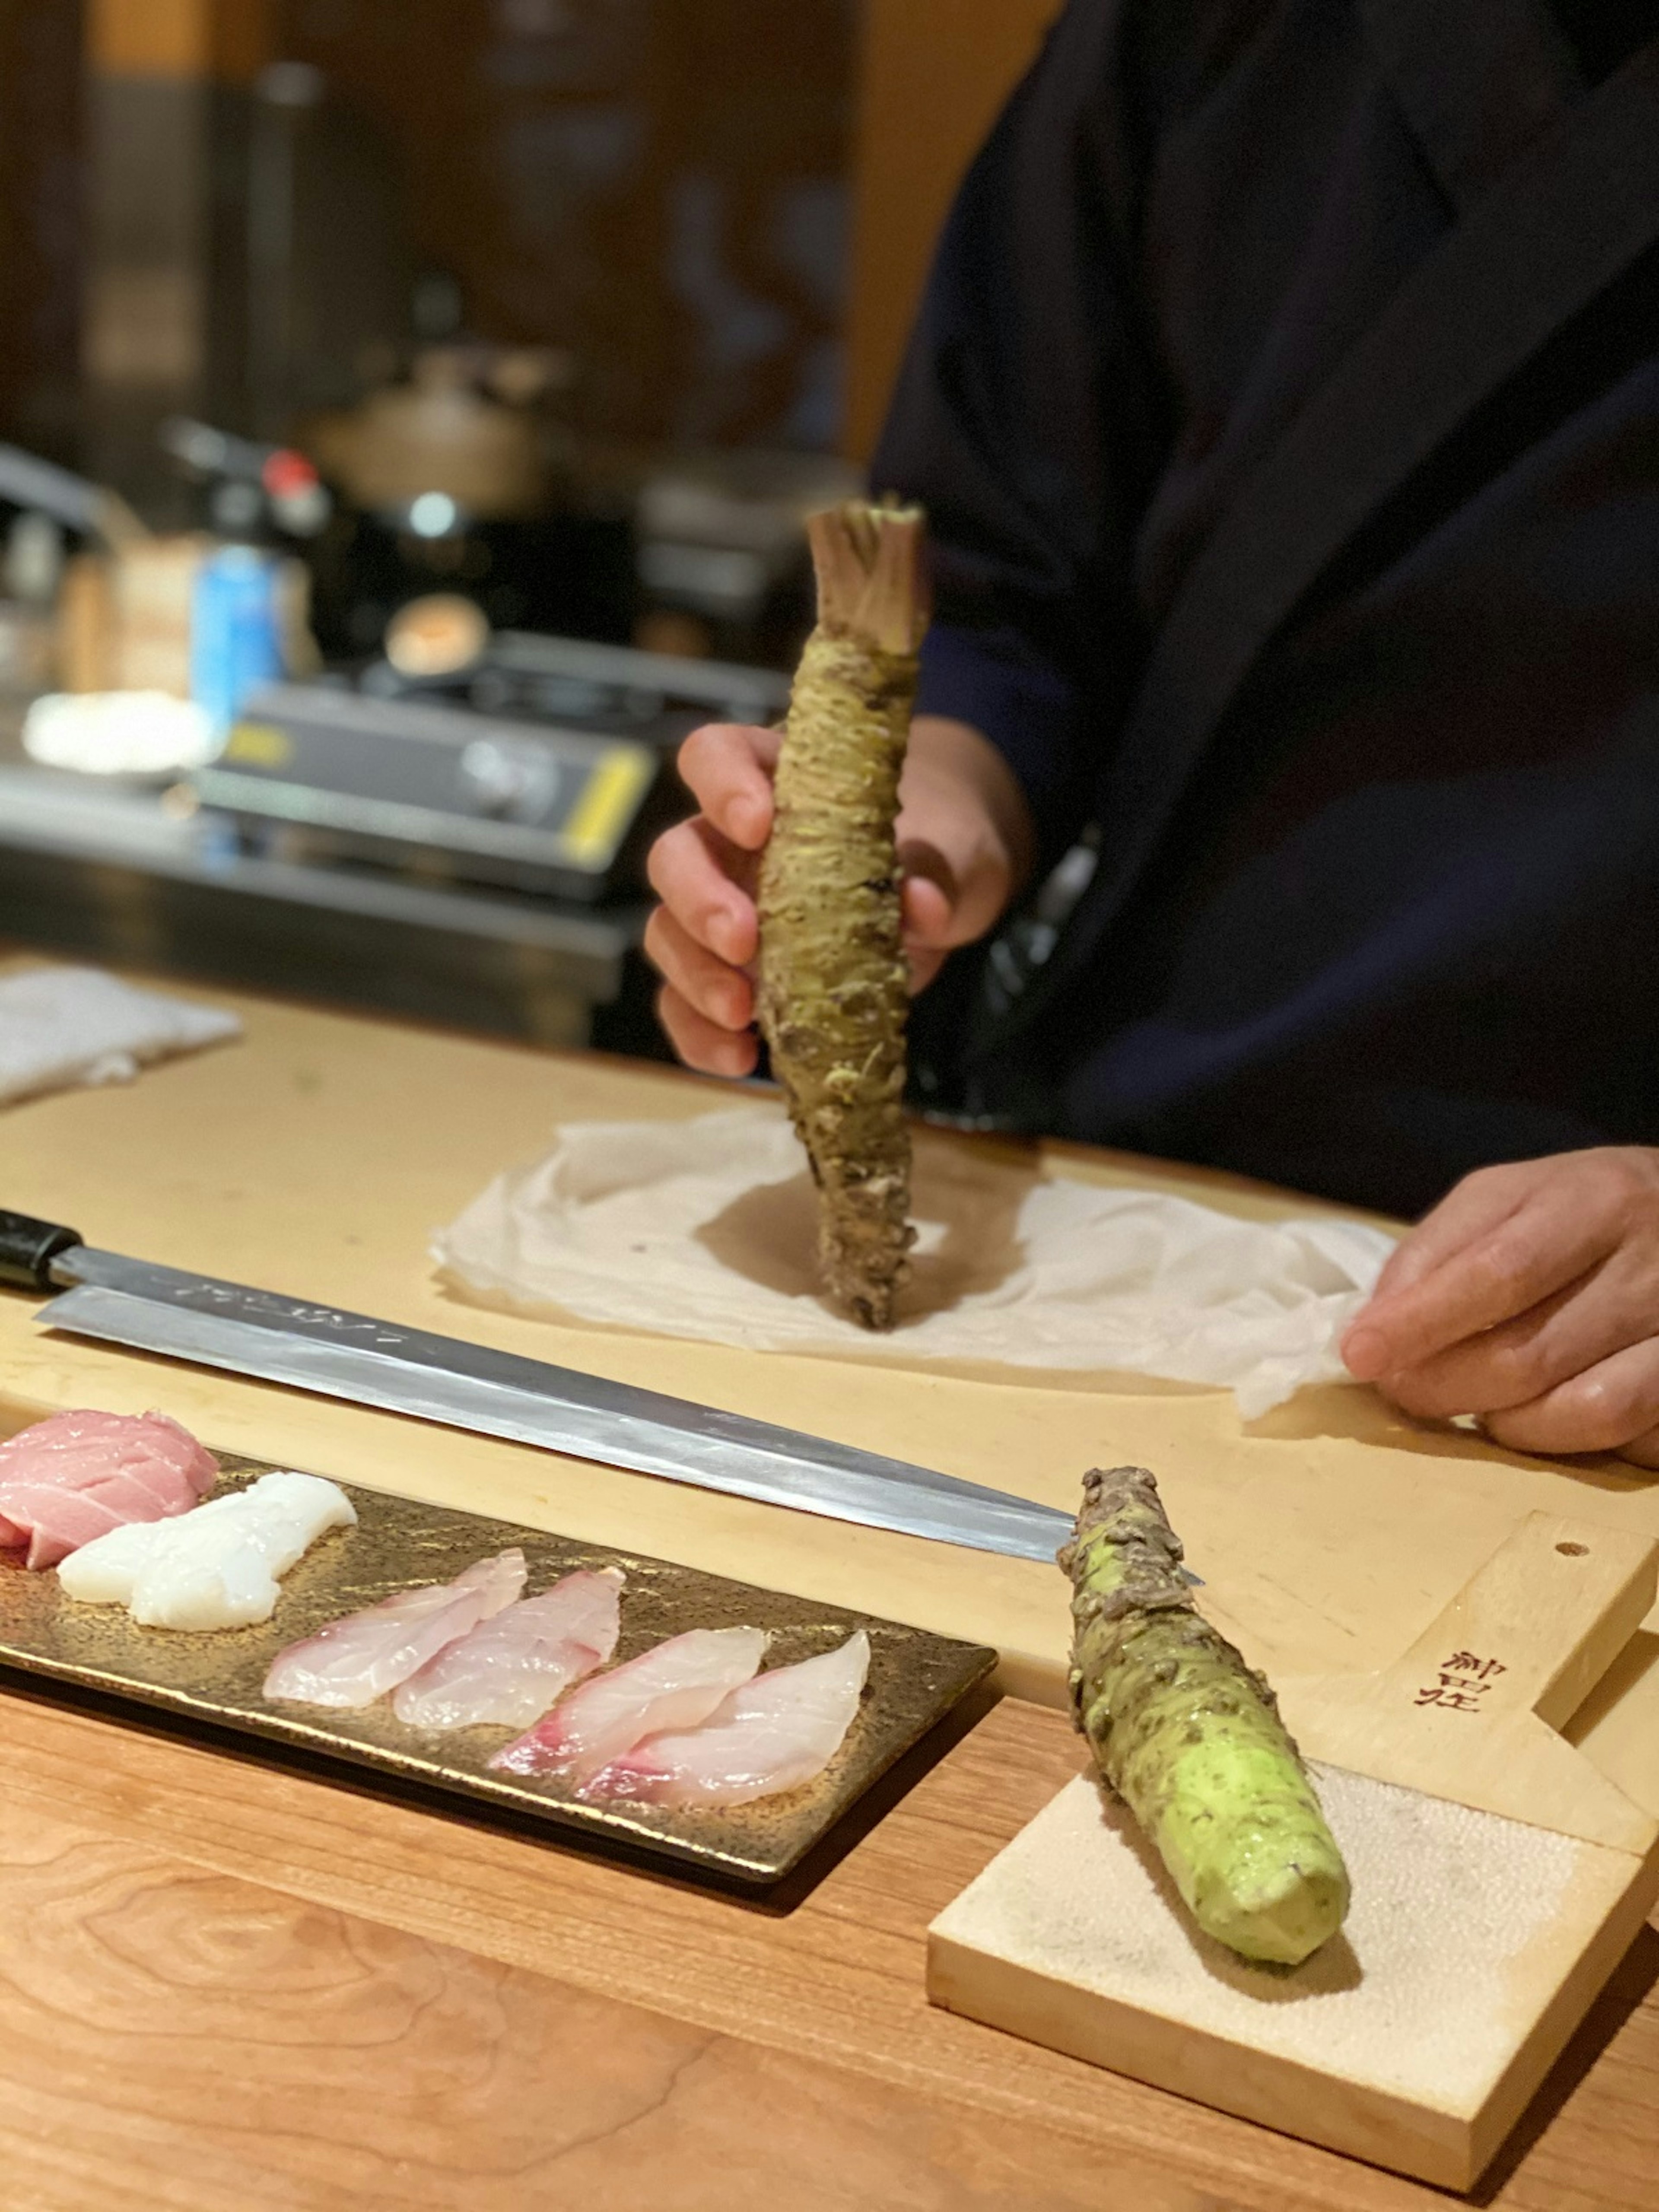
458, 478
273, 490
359, 850
721, 558
322, 775
37, 487
50, 511
540, 764
465, 426
593, 684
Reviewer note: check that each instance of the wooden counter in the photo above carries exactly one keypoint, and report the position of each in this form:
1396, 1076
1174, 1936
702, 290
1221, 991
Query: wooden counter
227, 1989
230, 1985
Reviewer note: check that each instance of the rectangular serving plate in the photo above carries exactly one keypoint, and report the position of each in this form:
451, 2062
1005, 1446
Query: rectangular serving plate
215, 1677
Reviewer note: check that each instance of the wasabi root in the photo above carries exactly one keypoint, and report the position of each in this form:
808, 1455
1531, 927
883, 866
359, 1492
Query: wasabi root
833, 991
1189, 1736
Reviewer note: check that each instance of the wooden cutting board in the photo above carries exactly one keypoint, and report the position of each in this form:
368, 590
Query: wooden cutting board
1498, 1879
317, 1156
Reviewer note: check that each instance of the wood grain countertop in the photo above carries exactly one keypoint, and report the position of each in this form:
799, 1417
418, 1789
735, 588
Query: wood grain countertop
227, 1986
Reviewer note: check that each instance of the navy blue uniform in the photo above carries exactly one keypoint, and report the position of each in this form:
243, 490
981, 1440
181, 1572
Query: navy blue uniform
1377, 900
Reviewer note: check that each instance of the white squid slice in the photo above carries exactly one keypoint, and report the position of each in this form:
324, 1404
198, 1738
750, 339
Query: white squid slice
218, 1566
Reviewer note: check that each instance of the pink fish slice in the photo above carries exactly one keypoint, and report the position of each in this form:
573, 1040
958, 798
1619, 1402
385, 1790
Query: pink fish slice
511, 1668
674, 1685
355, 1660
77, 1475
775, 1733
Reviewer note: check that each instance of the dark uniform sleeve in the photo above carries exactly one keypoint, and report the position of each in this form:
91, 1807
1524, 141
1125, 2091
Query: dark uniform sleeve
1031, 421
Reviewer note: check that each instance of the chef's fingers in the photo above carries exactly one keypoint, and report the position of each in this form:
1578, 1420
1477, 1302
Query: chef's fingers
704, 882
1611, 1405
728, 767
927, 908
701, 1043
1644, 1451
713, 988
1469, 1210
1547, 1243
1612, 1307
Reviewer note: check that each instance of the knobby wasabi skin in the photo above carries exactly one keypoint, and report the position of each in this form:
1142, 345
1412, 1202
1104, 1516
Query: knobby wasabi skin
1189, 1736
834, 990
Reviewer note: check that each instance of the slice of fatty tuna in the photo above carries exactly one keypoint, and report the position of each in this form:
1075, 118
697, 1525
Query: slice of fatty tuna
77, 1475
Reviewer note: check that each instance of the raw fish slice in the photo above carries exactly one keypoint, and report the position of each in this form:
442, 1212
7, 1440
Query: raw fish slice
510, 1670
85, 1440
220, 1566
674, 1685
217, 1569
774, 1734
70, 1479
107, 1571
359, 1658
54, 1521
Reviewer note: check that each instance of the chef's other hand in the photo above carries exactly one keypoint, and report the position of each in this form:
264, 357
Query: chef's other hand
964, 841
1529, 1297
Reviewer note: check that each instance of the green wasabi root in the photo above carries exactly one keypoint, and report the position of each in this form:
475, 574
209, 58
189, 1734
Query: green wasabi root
1189, 1736
834, 992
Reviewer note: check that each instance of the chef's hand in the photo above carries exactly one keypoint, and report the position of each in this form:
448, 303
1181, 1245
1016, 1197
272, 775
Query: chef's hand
964, 841
1529, 1297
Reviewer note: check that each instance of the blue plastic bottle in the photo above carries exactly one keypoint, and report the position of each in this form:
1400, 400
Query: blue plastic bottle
235, 632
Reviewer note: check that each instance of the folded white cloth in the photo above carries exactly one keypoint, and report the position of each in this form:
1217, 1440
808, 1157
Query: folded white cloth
705, 1228
60, 1026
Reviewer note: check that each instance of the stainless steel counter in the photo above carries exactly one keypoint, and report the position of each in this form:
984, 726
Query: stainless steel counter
116, 873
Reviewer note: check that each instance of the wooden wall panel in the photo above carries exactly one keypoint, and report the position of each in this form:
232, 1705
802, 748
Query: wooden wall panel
173, 38
933, 74
659, 185
42, 184
150, 38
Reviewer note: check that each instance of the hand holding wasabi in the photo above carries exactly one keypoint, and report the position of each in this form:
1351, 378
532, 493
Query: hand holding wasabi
963, 839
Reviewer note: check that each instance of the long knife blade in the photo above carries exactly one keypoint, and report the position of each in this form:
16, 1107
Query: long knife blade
351, 1356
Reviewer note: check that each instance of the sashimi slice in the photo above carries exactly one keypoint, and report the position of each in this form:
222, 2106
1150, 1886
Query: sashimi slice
775, 1733
107, 1571
355, 1660
511, 1668
77, 1475
220, 1566
672, 1686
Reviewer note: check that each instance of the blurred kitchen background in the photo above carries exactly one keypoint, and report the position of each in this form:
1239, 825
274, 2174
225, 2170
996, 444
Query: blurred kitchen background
407, 409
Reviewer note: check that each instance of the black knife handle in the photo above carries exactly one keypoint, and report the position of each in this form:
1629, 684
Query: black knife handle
28, 1249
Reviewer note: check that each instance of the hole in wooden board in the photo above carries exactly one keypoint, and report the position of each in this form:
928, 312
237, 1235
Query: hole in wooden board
1573, 1551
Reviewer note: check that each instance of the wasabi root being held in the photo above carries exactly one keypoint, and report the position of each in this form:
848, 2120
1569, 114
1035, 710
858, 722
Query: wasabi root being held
834, 989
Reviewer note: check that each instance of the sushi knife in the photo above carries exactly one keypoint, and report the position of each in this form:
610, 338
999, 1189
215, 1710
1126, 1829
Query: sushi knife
366, 1362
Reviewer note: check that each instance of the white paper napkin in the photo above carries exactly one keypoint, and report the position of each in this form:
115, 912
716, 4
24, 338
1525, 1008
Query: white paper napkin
60, 1026
704, 1229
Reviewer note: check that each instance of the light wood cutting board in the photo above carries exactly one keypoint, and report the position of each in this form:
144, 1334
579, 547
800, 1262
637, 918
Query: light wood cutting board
1498, 1879
318, 1155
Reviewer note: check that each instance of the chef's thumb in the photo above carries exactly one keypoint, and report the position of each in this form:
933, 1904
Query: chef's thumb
931, 896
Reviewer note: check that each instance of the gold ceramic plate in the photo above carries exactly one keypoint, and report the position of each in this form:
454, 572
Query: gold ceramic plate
915, 1678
